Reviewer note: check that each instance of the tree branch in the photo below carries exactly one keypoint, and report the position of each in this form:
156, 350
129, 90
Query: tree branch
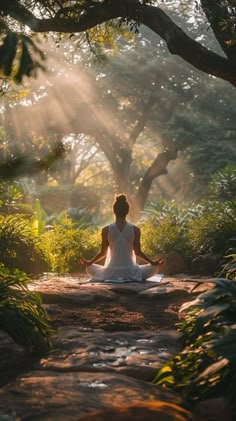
158, 167
140, 123
178, 42
218, 15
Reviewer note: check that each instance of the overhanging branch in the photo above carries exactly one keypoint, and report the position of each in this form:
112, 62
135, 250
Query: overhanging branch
178, 42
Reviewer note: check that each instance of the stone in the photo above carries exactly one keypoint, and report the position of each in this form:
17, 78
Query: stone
134, 353
71, 290
12, 354
205, 264
45, 396
174, 264
165, 292
141, 411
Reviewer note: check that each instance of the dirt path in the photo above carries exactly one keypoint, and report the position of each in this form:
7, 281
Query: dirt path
108, 344
127, 313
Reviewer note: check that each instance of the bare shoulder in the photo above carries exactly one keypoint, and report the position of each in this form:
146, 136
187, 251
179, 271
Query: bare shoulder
105, 229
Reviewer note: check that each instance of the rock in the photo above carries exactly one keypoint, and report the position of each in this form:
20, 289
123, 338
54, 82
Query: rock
137, 354
174, 264
12, 354
205, 264
71, 290
66, 396
165, 292
143, 411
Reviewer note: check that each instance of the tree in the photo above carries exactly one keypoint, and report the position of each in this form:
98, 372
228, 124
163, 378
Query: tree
140, 124
172, 110
62, 17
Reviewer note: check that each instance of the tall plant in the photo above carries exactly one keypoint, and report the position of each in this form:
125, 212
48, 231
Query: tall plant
206, 365
22, 248
223, 183
22, 315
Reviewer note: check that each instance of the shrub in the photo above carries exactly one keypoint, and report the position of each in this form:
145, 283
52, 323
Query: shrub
21, 313
229, 269
66, 243
163, 236
19, 208
206, 366
222, 185
20, 247
211, 231
204, 228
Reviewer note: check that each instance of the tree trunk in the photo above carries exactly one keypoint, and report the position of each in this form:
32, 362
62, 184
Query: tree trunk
158, 167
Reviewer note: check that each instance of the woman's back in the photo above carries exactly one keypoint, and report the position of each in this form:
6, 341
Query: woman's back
121, 242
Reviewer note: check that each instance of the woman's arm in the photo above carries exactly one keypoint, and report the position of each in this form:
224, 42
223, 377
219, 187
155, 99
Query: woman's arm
138, 251
102, 253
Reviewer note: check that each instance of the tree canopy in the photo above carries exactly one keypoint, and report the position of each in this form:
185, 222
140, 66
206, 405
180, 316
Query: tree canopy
62, 16
117, 125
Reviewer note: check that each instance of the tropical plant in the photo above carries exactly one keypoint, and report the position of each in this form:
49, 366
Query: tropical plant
222, 185
206, 227
38, 220
22, 315
66, 243
229, 269
213, 229
22, 248
10, 193
206, 365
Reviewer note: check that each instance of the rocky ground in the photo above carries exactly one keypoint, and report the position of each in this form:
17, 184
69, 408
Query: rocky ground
109, 341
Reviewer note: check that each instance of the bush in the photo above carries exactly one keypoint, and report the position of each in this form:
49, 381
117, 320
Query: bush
66, 243
204, 228
21, 313
229, 269
20, 247
222, 185
163, 236
212, 231
206, 366
19, 208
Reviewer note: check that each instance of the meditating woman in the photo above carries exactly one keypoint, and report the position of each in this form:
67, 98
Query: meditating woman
121, 245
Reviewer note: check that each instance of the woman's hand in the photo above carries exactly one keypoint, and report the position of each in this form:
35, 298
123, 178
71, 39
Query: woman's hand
159, 262
85, 262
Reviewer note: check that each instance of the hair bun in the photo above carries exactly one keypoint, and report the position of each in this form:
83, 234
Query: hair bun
121, 198
121, 205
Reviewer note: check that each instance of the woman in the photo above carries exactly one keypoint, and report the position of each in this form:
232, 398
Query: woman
121, 245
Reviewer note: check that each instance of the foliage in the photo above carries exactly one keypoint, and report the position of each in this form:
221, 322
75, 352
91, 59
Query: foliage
229, 269
206, 227
11, 197
164, 231
67, 243
19, 56
22, 315
212, 231
152, 112
38, 220
64, 17
20, 247
206, 365
10, 193
223, 183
